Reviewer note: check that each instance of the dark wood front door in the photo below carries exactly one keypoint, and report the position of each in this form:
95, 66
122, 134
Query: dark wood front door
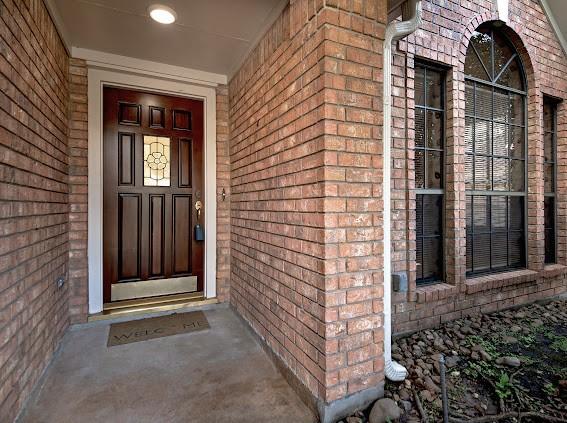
153, 180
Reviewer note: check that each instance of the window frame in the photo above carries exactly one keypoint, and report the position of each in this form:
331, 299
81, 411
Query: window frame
494, 193
553, 103
426, 65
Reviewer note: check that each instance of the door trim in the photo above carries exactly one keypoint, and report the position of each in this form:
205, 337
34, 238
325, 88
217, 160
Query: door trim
99, 77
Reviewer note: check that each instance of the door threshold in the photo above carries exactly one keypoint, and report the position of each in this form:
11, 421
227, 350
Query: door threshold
150, 305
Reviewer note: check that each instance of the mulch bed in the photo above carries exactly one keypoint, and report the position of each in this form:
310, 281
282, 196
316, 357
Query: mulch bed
506, 366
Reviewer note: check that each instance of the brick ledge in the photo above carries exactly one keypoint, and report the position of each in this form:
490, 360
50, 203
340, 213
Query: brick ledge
434, 292
553, 270
499, 280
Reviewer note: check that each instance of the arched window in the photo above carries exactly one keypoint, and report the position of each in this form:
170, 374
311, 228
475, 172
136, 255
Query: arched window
495, 137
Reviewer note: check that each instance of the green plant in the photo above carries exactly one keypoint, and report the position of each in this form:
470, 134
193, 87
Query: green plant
545, 331
480, 368
527, 340
549, 389
559, 344
503, 386
487, 344
526, 360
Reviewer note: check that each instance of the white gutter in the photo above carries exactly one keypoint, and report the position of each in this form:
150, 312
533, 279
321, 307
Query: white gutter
395, 31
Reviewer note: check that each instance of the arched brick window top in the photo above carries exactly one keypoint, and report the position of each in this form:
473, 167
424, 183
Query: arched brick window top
492, 58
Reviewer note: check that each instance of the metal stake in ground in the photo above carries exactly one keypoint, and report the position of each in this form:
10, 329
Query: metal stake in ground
444, 389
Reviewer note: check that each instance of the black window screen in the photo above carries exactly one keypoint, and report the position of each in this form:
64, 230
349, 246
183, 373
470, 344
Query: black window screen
549, 151
495, 168
429, 145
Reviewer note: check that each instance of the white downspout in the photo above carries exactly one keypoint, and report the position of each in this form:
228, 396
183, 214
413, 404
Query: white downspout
395, 31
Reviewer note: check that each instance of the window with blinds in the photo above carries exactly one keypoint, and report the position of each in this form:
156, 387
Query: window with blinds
549, 151
495, 164
429, 174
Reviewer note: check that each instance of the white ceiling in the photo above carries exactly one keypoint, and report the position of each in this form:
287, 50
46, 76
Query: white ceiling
209, 35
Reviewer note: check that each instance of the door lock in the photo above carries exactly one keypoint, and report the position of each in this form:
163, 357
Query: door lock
199, 233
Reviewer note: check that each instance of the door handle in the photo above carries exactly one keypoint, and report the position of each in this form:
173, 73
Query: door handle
199, 233
198, 207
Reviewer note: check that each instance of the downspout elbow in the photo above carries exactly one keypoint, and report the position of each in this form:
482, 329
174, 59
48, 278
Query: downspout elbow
394, 32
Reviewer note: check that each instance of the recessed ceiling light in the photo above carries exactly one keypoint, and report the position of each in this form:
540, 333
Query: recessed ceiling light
162, 14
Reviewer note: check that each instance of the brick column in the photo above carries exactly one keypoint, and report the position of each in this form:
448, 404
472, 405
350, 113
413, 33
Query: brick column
455, 194
353, 204
535, 188
223, 203
306, 173
78, 191
561, 187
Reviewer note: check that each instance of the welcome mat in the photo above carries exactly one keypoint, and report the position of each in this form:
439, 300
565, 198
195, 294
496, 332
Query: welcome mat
156, 327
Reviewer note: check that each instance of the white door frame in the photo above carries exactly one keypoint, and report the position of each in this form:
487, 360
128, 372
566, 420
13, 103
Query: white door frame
105, 74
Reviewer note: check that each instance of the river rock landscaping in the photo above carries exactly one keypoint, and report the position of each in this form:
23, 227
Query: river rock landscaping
506, 366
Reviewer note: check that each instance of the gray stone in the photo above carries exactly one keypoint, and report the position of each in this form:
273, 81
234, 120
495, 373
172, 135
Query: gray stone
353, 419
397, 357
509, 361
430, 385
404, 394
466, 330
439, 344
384, 410
406, 405
427, 396
484, 355
452, 361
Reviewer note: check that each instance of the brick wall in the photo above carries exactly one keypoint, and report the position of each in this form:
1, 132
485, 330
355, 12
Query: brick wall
223, 204
305, 209
443, 38
34, 219
78, 192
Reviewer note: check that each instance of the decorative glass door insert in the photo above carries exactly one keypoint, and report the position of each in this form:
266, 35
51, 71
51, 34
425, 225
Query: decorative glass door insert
157, 161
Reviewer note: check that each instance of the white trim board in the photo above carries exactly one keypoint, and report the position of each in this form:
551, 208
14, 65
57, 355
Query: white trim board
59, 24
97, 79
109, 61
270, 20
555, 25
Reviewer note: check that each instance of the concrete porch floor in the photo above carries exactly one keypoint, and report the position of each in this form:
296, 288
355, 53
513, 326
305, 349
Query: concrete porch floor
216, 375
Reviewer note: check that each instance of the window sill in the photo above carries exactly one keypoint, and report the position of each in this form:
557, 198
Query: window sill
553, 270
434, 292
499, 280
